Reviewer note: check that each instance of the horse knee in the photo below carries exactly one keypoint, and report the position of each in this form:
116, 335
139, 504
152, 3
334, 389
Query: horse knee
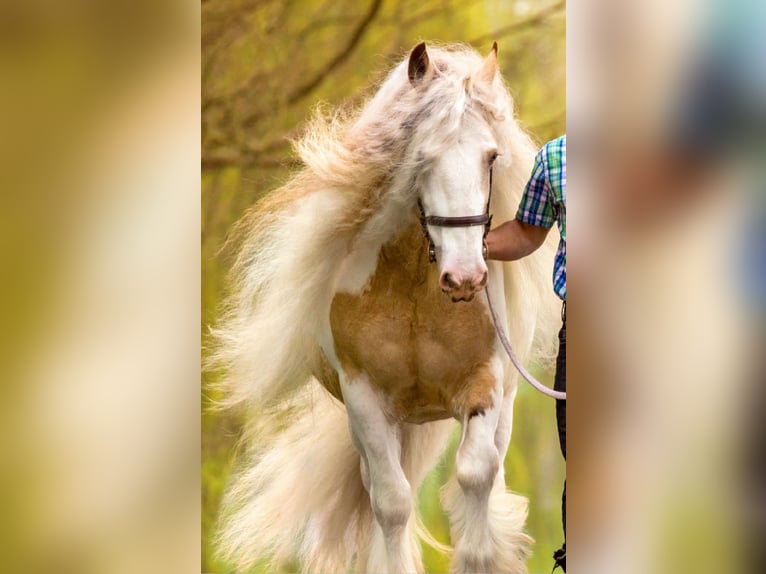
392, 504
477, 466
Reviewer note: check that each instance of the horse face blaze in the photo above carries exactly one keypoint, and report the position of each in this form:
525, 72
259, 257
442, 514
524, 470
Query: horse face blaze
458, 186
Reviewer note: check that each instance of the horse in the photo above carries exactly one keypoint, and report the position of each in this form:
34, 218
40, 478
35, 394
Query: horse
355, 341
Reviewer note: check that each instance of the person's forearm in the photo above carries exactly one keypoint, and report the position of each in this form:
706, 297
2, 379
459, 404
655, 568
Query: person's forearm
513, 240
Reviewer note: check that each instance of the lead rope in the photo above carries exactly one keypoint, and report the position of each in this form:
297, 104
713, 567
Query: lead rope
515, 360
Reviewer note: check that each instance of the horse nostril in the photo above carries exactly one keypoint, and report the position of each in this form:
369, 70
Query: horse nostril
448, 282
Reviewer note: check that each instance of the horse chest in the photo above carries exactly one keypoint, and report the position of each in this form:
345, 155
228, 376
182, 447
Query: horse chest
428, 355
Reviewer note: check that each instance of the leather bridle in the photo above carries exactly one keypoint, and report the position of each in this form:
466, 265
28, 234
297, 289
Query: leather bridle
484, 219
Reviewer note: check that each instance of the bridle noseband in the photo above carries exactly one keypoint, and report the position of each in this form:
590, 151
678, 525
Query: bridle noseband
484, 219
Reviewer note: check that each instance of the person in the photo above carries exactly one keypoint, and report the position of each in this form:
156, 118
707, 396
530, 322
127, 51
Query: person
542, 205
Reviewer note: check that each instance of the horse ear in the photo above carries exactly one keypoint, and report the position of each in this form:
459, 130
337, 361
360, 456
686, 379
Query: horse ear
419, 65
489, 68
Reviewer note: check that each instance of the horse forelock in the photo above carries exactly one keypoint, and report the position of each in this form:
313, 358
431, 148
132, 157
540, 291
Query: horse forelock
402, 129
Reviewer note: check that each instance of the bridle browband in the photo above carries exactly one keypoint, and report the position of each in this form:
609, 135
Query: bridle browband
484, 219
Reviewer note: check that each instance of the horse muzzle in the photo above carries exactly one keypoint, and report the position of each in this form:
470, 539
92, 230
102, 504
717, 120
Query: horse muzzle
462, 288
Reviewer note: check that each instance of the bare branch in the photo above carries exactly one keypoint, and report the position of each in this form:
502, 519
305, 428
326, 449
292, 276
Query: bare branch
246, 159
214, 161
530, 22
426, 15
304, 90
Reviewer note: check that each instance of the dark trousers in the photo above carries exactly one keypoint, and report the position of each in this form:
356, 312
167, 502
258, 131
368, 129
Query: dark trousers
560, 384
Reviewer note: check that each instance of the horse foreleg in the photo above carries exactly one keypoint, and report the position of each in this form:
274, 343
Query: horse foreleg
378, 441
487, 521
476, 467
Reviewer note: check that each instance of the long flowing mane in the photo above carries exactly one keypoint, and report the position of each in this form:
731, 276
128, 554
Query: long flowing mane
358, 187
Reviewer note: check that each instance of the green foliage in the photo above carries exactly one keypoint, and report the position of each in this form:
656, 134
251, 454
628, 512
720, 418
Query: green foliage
266, 64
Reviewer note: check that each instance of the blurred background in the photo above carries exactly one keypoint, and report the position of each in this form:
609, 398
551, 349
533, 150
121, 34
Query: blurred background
99, 296
265, 66
666, 110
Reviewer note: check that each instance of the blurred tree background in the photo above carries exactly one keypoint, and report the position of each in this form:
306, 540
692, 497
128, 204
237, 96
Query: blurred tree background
265, 65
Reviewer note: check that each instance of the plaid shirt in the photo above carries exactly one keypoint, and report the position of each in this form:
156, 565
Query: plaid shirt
544, 203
